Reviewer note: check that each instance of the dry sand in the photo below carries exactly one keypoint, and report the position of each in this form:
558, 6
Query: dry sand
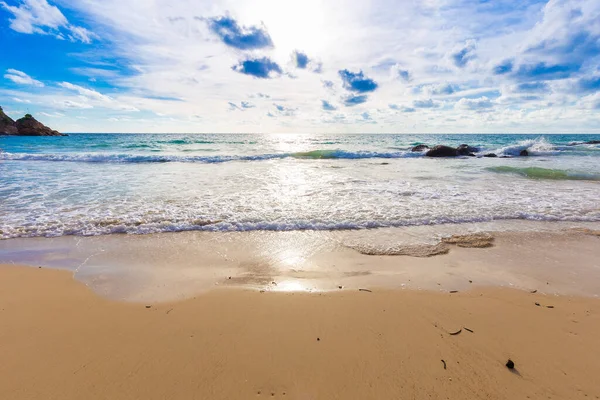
58, 340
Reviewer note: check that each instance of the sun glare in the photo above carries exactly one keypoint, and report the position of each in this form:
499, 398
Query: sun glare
292, 25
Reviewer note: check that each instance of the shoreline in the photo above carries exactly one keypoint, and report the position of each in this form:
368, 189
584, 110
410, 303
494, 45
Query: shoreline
176, 266
65, 342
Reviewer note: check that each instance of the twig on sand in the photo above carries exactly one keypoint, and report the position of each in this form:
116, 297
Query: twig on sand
533, 291
455, 333
365, 290
444, 362
454, 291
467, 329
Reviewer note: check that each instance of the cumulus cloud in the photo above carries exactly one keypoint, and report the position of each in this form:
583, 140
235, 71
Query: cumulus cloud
37, 16
239, 37
428, 103
357, 82
568, 32
441, 89
21, 78
403, 109
474, 104
262, 68
327, 106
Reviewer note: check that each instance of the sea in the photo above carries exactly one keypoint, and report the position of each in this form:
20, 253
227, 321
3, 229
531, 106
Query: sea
103, 184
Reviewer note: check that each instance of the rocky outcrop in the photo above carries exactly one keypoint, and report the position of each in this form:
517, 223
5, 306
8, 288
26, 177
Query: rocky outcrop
7, 125
466, 150
442, 151
29, 126
524, 153
490, 155
420, 148
593, 142
26, 126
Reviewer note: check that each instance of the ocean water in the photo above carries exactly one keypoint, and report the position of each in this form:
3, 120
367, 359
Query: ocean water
96, 184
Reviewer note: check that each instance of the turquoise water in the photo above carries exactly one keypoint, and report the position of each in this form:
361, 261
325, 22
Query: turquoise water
90, 184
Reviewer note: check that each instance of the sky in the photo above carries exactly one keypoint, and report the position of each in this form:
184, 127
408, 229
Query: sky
303, 66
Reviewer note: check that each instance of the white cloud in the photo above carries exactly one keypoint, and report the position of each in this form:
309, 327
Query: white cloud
474, 104
21, 78
37, 16
72, 104
434, 60
89, 93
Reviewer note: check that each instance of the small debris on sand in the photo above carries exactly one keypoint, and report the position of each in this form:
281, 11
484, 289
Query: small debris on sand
474, 240
455, 333
365, 290
467, 329
318, 339
550, 306
537, 304
148, 306
533, 291
454, 291
444, 362
510, 364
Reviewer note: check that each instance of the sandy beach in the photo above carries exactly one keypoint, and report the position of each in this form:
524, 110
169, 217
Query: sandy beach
60, 340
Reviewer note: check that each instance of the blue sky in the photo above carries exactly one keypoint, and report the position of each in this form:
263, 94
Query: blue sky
303, 66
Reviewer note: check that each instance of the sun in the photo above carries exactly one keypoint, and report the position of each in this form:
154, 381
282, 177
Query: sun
292, 25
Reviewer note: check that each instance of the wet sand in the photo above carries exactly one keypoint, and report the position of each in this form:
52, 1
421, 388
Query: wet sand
58, 340
176, 266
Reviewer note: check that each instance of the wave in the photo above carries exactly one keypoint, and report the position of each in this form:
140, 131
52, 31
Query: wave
546, 173
141, 158
136, 227
536, 147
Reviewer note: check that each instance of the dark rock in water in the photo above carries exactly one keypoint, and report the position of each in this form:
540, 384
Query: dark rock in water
465, 150
420, 147
593, 142
7, 125
29, 126
490, 155
442, 151
472, 155
524, 153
